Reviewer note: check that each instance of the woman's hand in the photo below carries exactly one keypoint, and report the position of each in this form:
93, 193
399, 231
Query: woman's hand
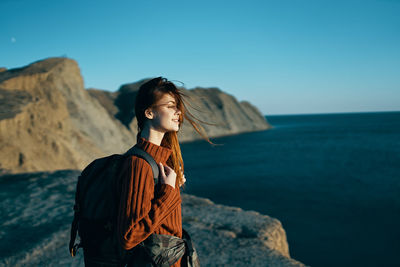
167, 175
184, 179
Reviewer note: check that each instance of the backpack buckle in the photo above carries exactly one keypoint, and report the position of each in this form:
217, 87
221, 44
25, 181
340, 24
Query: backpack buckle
74, 249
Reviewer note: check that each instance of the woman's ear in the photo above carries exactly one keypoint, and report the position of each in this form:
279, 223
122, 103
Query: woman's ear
149, 113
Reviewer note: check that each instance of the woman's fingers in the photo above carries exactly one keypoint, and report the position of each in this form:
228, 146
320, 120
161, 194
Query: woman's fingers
161, 167
165, 171
168, 169
183, 180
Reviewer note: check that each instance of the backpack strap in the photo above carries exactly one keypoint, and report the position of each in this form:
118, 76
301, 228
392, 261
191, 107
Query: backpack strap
73, 248
147, 157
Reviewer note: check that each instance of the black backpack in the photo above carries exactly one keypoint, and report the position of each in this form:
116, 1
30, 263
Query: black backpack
95, 209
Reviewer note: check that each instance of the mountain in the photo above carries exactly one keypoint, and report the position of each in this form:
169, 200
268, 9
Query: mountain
49, 121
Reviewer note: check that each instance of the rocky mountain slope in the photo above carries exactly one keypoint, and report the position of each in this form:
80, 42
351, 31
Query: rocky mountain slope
210, 105
49, 121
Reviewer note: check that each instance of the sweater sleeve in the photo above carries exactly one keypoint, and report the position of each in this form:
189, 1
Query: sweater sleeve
142, 210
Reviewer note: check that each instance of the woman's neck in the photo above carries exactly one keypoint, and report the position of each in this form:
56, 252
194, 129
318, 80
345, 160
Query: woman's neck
152, 135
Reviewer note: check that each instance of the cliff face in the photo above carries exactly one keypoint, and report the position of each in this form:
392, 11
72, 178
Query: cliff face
230, 236
48, 121
209, 105
214, 106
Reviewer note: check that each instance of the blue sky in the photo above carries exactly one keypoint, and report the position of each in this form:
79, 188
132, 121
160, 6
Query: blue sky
285, 57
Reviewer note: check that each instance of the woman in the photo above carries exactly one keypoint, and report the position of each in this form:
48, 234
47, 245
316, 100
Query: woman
144, 208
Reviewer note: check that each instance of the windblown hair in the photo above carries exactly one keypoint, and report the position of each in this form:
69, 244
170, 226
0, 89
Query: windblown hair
148, 95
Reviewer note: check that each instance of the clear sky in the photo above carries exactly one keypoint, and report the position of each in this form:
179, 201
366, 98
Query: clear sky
285, 57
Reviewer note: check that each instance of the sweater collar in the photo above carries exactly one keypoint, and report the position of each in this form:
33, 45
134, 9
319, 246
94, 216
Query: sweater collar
159, 153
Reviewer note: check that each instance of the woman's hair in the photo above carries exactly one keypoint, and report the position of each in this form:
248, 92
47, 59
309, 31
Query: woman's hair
148, 95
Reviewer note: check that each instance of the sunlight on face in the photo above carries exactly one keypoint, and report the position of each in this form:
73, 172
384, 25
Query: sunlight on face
166, 114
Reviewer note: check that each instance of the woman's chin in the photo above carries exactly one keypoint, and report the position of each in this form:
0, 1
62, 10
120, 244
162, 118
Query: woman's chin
176, 127
173, 129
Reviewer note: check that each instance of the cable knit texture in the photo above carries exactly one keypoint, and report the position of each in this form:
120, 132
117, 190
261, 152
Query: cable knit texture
143, 209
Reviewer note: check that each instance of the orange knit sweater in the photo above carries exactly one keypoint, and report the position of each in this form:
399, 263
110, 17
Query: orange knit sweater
143, 211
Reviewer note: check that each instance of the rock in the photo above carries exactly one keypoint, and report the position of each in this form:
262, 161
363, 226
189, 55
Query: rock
223, 235
49, 113
210, 105
48, 117
12, 102
230, 236
106, 99
231, 117
120, 104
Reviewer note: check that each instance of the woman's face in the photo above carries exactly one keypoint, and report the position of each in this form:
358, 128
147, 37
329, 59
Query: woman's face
166, 114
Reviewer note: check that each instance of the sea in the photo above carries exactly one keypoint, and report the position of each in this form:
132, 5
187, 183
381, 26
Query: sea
332, 180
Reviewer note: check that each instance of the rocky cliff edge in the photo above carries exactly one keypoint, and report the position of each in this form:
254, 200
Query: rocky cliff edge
49, 121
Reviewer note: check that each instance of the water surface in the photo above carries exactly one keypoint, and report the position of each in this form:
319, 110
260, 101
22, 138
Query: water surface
331, 179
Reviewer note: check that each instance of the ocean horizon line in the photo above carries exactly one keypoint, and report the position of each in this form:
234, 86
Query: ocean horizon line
332, 113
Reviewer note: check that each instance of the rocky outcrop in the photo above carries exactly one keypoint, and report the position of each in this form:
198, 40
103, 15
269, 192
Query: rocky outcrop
225, 114
53, 122
223, 235
48, 121
219, 108
230, 236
